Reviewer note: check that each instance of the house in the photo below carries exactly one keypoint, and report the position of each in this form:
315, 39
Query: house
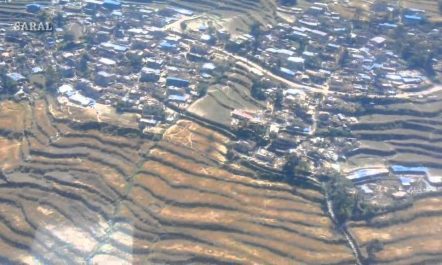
413, 19
295, 63
33, 8
242, 115
112, 48
177, 82
88, 88
409, 170
284, 142
377, 42
67, 71
405, 181
169, 46
103, 78
111, 4
79, 99
208, 68
318, 35
66, 90
37, 70
178, 98
107, 61
367, 174
15, 78
148, 122
315, 10
92, 6
149, 75
172, 90
154, 63
154, 108
265, 155
281, 53
412, 16
287, 73
244, 146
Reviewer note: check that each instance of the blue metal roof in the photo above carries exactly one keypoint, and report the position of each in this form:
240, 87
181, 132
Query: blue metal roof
403, 169
112, 3
15, 76
413, 17
178, 98
287, 71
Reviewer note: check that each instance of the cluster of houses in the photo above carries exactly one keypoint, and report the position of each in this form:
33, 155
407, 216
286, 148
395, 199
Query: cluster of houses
380, 184
125, 56
283, 129
120, 55
322, 48
23, 58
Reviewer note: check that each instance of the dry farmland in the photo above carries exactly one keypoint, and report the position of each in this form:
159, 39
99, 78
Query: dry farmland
71, 193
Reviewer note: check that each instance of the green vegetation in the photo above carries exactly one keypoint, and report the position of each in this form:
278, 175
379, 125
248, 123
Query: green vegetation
346, 202
417, 53
83, 65
372, 248
68, 37
52, 79
202, 89
120, 107
279, 98
257, 90
288, 2
341, 192
296, 167
183, 26
135, 61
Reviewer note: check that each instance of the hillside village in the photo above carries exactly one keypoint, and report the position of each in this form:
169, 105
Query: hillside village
156, 62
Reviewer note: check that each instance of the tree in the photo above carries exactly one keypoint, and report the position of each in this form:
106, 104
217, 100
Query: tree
290, 166
288, 2
343, 201
135, 61
52, 79
9, 86
120, 106
202, 89
44, 16
255, 30
59, 19
279, 99
69, 37
183, 26
372, 248
417, 54
83, 65
257, 91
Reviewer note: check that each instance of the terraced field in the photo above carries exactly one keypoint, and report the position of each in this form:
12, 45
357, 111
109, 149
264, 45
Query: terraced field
409, 236
348, 9
223, 98
15, 10
242, 11
405, 132
72, 194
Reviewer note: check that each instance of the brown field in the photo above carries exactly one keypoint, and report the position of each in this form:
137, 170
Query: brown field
12, 116
410, 236
348, 10
221, 99
9, 153
84, 196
